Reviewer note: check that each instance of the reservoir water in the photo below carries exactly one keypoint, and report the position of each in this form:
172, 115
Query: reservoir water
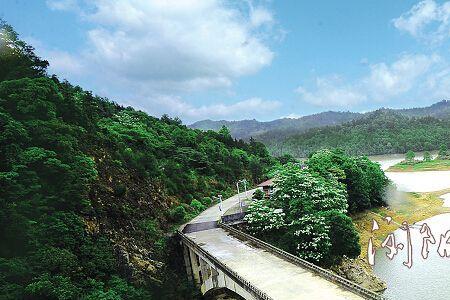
427, 278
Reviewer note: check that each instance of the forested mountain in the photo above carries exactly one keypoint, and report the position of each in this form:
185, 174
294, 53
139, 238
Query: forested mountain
380, 132
276, 131
90, 190
439, 110
251, 128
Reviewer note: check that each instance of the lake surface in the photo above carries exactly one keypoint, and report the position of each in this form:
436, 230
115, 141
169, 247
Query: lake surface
427, 181
428, 278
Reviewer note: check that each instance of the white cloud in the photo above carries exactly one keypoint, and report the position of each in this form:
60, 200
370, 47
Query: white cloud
387, 81
292, 116
64, 5
260, 16
330, 91
156, 52
382, 83
248, 108
192, 44
426, 20
64, 63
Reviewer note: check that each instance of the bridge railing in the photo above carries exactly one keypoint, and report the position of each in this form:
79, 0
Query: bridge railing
248, 286
233, 217
347, 284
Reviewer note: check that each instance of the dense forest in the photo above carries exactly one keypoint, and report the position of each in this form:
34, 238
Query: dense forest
380, 132
91, 190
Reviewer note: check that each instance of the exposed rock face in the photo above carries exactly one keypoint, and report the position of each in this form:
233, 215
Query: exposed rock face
360, 272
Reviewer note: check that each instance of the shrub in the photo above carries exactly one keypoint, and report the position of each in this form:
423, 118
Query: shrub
206, 201
151, 228
258, 195
197, 205
178, 214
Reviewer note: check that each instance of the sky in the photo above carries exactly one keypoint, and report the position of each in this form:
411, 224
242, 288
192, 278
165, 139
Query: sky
248, 59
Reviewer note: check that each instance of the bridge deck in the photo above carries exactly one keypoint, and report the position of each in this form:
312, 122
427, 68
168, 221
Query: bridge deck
269, 273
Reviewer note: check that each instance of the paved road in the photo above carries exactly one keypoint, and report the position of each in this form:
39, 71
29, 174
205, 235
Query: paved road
276, 277
213, 213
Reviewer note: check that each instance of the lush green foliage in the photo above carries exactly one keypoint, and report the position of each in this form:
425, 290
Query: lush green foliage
379, 132
88, 187
409, 156
443, 152
299, 191
258, 194
364, 180
315, 199
427, 156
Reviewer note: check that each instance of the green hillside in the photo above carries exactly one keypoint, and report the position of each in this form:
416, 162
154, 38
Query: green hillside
90, 191
380, 132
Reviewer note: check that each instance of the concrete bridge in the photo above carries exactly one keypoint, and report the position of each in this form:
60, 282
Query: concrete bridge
218, 256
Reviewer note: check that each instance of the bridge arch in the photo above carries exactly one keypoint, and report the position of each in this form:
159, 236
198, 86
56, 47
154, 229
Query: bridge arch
222, 293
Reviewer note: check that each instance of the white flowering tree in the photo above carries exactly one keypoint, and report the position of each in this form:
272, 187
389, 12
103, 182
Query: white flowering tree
301, 192
315, 219
312, 240
262, 220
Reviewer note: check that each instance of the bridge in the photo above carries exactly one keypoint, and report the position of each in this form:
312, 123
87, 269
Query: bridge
218, 256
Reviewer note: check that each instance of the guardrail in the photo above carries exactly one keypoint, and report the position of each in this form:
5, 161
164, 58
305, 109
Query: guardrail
347, 284
248, 286
233, 217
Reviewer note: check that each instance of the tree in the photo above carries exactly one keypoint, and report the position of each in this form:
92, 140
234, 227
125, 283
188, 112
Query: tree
409, 157
311, 236
17, 58
298, 192
426, 156
343, 236
262, 219
443, 152
314, 203
258, 194
363, 179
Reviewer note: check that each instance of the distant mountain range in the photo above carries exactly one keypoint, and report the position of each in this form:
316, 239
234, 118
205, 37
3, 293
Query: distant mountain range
291, 135
245, 129
252, 128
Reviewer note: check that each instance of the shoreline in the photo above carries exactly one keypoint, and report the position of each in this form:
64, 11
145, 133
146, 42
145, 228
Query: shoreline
414, 207
421, 166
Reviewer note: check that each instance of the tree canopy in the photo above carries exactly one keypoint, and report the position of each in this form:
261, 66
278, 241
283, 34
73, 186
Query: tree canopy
89, 188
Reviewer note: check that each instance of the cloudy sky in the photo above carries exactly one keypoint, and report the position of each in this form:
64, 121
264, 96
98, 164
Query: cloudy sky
213, 59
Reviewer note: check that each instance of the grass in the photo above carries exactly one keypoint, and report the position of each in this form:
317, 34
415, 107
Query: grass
413, 207
432, 165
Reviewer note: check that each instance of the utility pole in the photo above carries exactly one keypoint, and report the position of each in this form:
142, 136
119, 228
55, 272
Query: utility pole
245, 187
244, 181
220, 204
219, 198
239, 196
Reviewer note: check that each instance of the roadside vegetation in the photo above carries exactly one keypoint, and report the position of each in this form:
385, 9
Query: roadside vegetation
410, 164
308, 213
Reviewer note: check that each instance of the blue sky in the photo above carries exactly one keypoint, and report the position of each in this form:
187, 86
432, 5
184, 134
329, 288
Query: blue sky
212, 59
